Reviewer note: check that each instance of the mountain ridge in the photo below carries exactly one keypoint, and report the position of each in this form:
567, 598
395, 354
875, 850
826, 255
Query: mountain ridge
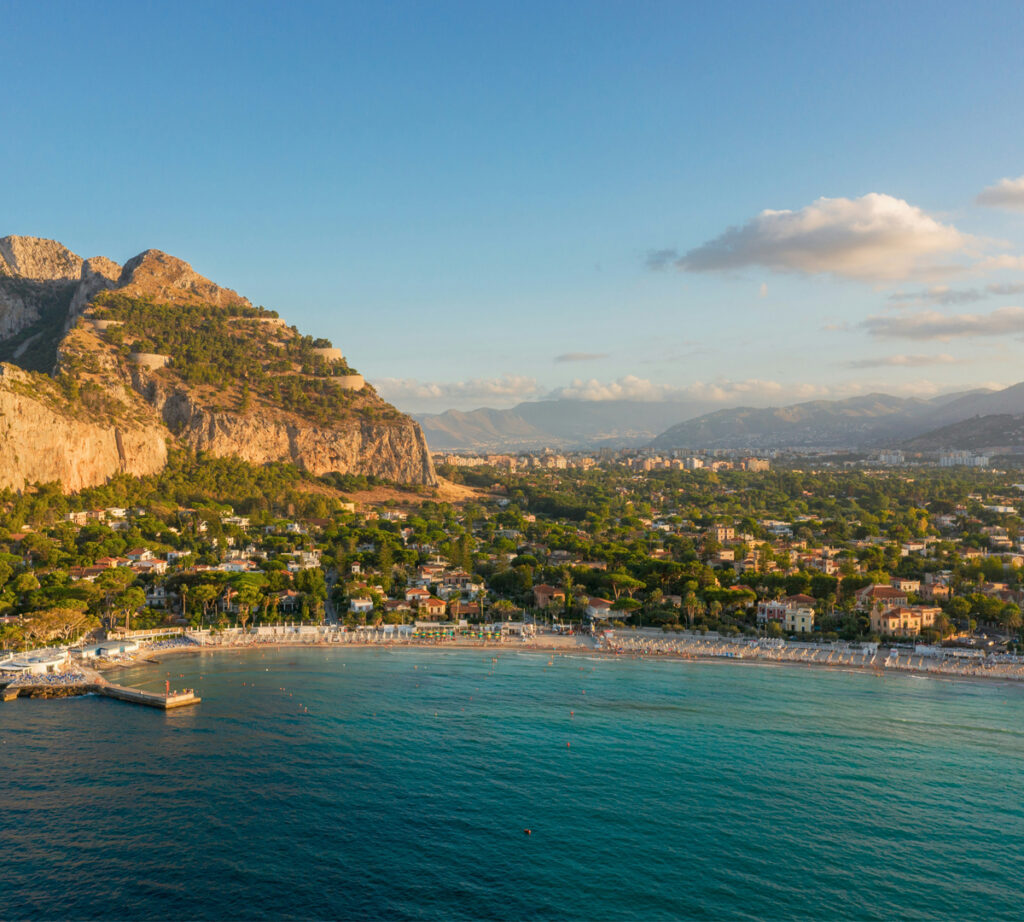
864, 421
993, 433
867, 421
562, 424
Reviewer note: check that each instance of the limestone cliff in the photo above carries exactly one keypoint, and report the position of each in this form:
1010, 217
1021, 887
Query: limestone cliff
152, 353
43, 440
36, 258
394, 449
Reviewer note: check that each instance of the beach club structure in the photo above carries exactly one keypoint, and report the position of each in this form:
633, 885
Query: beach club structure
108, 648
37, 662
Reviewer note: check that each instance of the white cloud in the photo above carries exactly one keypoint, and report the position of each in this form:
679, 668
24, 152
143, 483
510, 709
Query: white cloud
872, 238
935, 325
903, 361
580, 356
629, 387
661, 259
943, 294
993, 263
938, 294
702, 396
1007, 193
410, 389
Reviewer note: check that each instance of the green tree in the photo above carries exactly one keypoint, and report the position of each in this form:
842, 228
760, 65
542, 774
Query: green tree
205, 594
128, 602
248, 598
25, 582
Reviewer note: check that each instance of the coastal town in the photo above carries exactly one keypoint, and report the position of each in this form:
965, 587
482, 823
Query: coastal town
739, 560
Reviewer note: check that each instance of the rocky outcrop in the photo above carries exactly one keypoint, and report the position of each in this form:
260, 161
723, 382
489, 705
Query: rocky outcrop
98, 274
42, 280
394, 449
39, 259
41, 442
37, 281
165, 278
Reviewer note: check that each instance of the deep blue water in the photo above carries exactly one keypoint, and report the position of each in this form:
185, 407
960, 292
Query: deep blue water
705, 791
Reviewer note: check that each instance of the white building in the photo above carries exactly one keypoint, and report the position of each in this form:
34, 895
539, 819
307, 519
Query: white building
37, 662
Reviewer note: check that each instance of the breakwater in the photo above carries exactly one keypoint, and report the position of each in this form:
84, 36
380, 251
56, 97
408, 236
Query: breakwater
70, 689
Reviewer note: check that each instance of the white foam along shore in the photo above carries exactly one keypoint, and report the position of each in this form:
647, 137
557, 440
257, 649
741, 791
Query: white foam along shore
939, 662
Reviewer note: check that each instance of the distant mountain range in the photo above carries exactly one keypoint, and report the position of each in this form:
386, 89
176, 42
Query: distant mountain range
996, 433
866, 422
855, 423
561, 424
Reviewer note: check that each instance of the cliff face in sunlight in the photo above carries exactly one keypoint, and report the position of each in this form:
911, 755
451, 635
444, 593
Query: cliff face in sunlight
108, 365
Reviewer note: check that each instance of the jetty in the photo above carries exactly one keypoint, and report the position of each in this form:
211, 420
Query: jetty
87, 681
163, 701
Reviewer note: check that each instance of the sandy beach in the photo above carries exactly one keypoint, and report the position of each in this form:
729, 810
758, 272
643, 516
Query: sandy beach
873, 659
685, 647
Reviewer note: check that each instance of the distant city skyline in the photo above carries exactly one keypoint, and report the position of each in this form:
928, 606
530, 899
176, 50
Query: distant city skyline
483, 204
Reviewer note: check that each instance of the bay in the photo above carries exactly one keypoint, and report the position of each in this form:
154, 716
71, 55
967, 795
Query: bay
398, 784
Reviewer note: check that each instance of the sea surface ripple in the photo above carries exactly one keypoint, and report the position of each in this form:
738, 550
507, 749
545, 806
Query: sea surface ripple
362, 783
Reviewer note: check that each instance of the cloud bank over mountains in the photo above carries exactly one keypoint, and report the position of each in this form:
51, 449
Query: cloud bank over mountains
504, 388
437, 397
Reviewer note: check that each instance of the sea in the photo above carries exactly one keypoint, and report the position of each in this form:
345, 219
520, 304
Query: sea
441, 784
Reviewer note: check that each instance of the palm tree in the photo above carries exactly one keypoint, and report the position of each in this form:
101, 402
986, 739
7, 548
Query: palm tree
691, 604
1012, 619
248, 597
229, 593
206, 594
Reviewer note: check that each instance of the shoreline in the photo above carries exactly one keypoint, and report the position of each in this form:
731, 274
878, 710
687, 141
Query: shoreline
938, 669
81, 679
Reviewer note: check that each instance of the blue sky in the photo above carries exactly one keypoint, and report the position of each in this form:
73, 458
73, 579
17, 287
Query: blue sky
482, 203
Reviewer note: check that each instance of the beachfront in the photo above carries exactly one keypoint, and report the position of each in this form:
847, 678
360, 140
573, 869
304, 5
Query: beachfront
73, 673
933, 661
939, 661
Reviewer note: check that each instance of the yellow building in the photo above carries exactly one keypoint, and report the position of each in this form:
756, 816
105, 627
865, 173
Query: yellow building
903, 621
799, 620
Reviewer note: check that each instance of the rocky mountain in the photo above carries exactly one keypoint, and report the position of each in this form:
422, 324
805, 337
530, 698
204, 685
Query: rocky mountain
562, 424
996, 433
855, 423
106, 366
38, 280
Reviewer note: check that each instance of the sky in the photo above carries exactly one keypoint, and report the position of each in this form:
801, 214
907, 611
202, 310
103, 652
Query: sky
485, 203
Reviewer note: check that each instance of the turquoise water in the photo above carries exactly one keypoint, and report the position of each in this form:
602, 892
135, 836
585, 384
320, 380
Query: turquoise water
397, 785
